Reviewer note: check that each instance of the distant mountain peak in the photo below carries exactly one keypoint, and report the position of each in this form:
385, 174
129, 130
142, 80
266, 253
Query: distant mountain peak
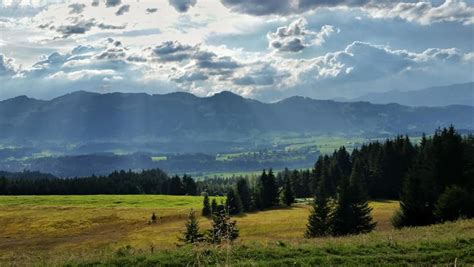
226, 94
455, 94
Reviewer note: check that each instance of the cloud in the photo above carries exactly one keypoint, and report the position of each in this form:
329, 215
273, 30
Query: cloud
262, 75
151, 10
173, 51
191, 77
95, 3
112, 3
363, 67
98, 68
422, 12
295, 37
259, 8
76, 26
7, 66
83, 74
182, 6
122, 10
76, 8
79, 26
285, 7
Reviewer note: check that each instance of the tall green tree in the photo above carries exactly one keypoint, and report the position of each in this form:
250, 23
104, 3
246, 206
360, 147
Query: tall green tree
319, 220
233, 204
245, 195
206, 209
352, 214
288, 193
191, 234
214, 206
223, 228
271, 190
267, 190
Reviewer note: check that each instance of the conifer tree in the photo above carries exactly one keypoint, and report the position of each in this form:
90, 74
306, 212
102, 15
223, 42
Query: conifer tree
243, 190
206, 209
214, 207
191, 234
418, 194
223, 229
363, 222
267, 190
319, 221
352, 213
288, 193
233, 204
271, 189
342, 216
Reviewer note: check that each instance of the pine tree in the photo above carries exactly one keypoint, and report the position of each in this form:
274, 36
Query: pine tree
191, 235
352, 214
271, 190
223, 229
214, 207
243, 190
288, 193
319, 220
419, 191
206, 209
341, 218
233, 203
259, 193
363, 222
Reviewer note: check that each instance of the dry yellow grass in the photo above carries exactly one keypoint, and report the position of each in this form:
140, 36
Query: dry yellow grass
45, 228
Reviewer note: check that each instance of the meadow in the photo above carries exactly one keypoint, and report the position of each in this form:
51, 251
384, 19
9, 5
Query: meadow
115, 230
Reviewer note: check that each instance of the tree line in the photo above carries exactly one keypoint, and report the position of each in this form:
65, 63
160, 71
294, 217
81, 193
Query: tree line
434, 181
153, 181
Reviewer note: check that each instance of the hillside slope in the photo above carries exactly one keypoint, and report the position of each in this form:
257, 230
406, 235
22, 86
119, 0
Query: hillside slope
84, 116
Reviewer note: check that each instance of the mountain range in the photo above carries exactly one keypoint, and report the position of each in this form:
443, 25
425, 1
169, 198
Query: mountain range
89, 117
456, 94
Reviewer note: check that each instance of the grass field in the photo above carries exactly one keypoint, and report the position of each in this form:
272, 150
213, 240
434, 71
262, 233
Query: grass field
55, 230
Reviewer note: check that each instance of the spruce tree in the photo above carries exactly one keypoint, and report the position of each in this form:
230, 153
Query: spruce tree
233, 204
271, 189
267, 190
243, 190
418, 195
206, 209
363, 222
288, 193
319, 220
214, 207
341, 223
352, 214
191, 235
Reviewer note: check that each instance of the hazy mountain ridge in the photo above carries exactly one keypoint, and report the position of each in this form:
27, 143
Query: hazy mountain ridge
84, 116
456, 94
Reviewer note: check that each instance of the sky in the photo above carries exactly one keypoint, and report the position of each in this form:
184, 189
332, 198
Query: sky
266, 50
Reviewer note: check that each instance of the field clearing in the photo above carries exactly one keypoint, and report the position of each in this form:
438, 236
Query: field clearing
58, 229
